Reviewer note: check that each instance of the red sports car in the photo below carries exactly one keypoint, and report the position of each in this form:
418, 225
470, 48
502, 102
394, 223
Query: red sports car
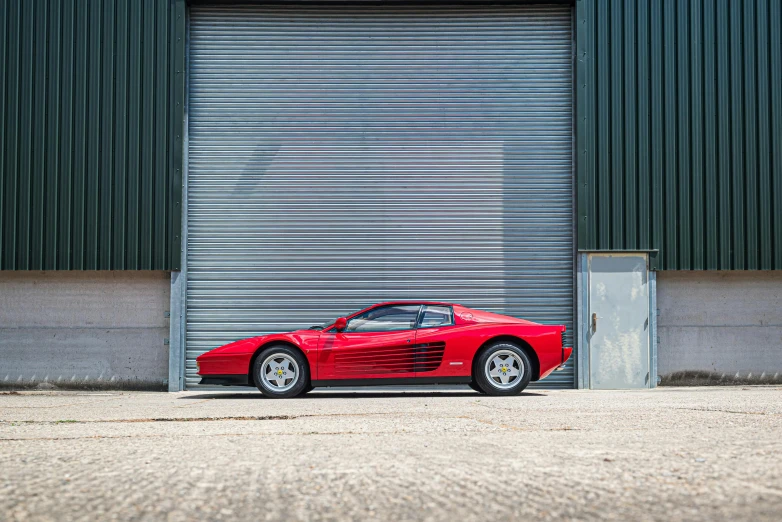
394, 343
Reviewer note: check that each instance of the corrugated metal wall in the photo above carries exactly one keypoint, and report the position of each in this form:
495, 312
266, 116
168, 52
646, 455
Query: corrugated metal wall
344, 156
91, 110
679, 130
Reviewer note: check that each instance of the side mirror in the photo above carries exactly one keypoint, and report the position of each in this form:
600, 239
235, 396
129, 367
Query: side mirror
340, 324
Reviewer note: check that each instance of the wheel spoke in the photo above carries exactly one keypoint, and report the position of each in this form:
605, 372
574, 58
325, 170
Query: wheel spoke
504, 378
280, 381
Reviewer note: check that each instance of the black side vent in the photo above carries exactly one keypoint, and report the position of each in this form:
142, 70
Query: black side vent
406, 358
428, 356
563, 338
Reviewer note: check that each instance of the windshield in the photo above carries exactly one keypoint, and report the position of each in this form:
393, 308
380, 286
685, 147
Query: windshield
321, 326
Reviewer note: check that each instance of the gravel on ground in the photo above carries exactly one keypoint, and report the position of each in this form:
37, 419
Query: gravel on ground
430, 455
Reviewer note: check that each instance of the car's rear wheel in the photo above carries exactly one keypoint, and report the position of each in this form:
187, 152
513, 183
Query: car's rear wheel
281, 372
502, 369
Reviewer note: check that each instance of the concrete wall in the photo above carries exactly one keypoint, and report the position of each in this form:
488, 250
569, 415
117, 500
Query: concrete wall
719, 326
84, 329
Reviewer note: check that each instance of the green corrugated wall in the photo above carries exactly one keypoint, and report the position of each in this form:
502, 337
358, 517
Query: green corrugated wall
91, 111
679, 130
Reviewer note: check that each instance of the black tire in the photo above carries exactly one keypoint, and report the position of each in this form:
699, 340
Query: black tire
516, 384
300, 382
475, 387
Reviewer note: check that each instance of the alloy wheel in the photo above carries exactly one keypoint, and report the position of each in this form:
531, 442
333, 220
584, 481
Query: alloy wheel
279, 372
504, 369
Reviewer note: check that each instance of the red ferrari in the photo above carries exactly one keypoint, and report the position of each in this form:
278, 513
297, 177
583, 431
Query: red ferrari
394, 343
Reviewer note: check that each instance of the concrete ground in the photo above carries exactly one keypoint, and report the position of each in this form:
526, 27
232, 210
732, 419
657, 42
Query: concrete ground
664, 454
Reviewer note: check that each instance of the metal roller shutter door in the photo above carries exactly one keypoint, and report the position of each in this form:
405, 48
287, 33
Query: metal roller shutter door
347, 155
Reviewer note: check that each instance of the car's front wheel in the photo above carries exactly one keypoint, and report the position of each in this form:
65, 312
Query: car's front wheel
502, 369
475, 387
281, 372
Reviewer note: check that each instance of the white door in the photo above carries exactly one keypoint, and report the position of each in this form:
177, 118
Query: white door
618, 318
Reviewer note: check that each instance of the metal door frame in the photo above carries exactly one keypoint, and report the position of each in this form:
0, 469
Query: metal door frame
178, 289
582, 319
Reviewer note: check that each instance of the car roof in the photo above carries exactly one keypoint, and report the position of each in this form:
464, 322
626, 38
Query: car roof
407, 302
411, 302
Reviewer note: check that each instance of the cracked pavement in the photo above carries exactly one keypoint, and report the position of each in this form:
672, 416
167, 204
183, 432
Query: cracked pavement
430, 454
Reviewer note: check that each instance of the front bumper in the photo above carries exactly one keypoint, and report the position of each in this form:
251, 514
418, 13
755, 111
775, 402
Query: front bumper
225, 380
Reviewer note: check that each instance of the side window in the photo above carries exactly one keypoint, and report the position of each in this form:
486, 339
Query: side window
385, 319
436, 316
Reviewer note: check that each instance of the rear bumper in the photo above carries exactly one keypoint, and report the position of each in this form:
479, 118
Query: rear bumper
566, 353
225, 380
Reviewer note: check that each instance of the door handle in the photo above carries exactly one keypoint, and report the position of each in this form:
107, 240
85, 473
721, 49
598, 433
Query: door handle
408, 340
594, 322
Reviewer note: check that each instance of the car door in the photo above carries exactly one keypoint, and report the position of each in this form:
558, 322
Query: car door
376, 344
437, 342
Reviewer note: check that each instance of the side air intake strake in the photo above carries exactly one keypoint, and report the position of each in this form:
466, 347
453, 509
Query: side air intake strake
407, 358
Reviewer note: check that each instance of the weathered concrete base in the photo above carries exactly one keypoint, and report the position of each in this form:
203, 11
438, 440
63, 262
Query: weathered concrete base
719, 327
84, 330
695, 378
84, 385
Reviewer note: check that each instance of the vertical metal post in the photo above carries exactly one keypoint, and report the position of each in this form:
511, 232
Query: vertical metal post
582, 326
574, 196
176, 345
653, 329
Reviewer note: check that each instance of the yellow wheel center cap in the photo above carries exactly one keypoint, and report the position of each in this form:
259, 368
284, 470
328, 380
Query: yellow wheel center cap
279, 372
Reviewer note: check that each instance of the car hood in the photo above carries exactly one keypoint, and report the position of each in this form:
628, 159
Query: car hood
250, 344
239, 346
